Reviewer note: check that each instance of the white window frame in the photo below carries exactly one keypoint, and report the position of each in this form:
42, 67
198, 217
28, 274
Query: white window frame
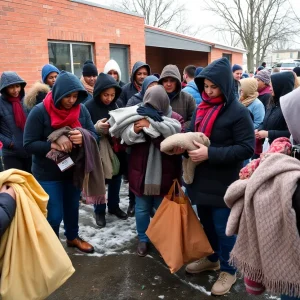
71, 49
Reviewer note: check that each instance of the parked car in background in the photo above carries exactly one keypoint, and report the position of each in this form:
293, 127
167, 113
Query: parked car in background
287, 65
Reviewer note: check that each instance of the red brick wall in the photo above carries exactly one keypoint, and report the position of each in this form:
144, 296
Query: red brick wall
157, 58
27, 25
237, 58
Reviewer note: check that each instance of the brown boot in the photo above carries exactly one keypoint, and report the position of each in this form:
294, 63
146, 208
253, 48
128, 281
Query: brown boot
80, 244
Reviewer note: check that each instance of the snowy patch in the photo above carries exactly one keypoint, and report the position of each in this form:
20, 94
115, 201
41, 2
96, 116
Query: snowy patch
161, 297
272, 297
199, 288
115, 236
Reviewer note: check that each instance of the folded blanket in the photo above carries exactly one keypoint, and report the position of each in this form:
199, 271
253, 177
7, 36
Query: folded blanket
88, 172
267, 249
185, 141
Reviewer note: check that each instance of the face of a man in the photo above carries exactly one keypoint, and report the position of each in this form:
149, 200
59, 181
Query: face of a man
237, 75
169, 84
140, 75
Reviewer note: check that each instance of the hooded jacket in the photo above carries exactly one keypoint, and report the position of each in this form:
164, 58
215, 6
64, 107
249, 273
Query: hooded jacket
128, 90
138, 97
274, 122
113, 65
9, 132
38, 128
171, 164
36, 95
232, 140
182, 103
250, 94
97, 109
192, 89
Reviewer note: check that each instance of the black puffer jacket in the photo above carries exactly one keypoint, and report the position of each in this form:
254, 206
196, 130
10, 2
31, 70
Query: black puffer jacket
274, 122
232, 140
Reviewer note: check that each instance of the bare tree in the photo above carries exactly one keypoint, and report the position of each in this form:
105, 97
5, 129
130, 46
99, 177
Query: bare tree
166, 14
257, 23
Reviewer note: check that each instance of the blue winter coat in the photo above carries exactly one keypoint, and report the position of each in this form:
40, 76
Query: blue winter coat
38, 128
7, 211
192, 89
9, 132
257, 110
232, 140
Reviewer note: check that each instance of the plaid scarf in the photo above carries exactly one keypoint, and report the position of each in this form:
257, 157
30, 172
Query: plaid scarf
207, 113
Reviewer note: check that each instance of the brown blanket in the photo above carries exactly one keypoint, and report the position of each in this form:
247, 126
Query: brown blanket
88, 172
267, 249
185, 141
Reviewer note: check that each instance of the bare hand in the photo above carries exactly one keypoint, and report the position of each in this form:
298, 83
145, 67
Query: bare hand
262, 134
140, 124
56, 147
9, 190
64, 143
200, 154
178, 150
76, 137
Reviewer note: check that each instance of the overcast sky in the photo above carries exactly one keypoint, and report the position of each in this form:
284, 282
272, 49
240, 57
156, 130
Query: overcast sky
202, 18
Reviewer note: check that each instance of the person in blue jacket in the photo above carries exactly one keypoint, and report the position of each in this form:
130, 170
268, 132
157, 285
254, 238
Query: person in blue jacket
191, 88
138, 97
229, 127
12, 122
7, 207
61, 107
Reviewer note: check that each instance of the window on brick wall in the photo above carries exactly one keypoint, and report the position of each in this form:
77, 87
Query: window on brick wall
228, 56
69, 56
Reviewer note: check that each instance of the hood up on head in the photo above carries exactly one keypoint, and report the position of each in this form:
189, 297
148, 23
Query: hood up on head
138, 65
282, 84
113, 65
173, 72
9, 78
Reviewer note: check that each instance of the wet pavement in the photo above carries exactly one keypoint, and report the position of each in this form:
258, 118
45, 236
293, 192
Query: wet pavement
115, 272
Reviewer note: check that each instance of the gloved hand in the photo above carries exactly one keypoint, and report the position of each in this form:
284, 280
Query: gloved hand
150, 112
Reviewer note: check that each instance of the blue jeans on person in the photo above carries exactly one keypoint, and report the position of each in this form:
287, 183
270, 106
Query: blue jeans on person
285, 297
143, 208
214, 221
113, 195
63, 204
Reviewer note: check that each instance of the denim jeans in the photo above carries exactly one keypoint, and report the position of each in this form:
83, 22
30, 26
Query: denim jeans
143, 207
63, 205
214, 221
285, 297
113, 197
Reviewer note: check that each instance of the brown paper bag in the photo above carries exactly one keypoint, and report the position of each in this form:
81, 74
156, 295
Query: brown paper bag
176, 232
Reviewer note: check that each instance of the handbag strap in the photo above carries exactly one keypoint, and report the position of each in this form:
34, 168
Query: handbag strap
172, 191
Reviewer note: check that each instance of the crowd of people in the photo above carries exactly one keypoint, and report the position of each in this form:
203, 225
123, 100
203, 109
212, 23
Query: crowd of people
49, 129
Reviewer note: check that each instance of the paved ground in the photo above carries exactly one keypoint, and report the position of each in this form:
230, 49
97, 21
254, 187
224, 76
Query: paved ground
115, 272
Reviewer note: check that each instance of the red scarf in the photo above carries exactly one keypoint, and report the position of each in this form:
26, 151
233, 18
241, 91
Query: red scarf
207, 113
61, 117
19, 115
137, 86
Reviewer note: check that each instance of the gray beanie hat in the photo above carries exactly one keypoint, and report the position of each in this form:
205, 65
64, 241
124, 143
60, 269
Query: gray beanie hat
264, 75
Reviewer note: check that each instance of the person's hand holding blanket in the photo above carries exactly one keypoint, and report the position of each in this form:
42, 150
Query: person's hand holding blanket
199, 155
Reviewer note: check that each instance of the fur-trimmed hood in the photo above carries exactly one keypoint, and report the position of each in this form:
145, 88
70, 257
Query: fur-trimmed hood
36, 94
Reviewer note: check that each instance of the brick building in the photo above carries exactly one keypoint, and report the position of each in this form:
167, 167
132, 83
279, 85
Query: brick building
68, 32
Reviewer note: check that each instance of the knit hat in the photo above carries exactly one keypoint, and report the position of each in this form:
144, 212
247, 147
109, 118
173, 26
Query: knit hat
297, 71
264, 76
198, 71
46, 70
236, 67
89, 69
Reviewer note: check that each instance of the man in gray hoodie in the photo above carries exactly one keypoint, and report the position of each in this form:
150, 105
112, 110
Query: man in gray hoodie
181, 102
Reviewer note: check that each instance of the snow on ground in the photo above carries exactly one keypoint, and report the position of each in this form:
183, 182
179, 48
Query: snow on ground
115, 236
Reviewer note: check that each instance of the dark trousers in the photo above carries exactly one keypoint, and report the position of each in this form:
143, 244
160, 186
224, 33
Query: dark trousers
113, 195
63, 205
214, 221
14, 162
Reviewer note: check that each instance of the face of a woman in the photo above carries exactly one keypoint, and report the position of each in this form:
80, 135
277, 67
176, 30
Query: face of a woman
50, 80
114, 74
108, 95
68, 101
211, 89
90, 80
13, 90
271, 89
